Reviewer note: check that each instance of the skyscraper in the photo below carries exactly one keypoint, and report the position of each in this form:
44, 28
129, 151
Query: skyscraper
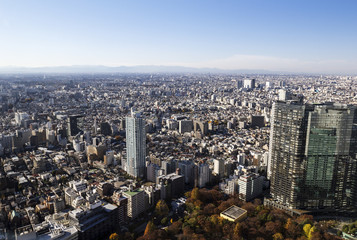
249, 83
135, 145
312, 157
72, 124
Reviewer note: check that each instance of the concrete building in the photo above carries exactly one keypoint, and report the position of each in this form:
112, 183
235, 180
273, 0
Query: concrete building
249, 83
95, 222
218, 167
200, 126
257, 121
185, 126
136, 202
135, 145
152, 172
172, 185
250, 186
203, 175
187, 170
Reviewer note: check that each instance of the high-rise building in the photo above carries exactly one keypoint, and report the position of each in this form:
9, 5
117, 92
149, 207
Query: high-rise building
185, 126
250, 186
239, 84
312, 157
135, 145
72, 124
187, 170
136, 202
249, 83
218, 167
202, 175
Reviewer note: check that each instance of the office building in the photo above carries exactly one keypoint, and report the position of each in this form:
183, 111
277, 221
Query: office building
172, 185
250, 186
187, 170
257, 121
200, 126
312, 157
218, 167
239, 84
185, 126
202, 175
135, 145
249, 83
72, 125
97, 221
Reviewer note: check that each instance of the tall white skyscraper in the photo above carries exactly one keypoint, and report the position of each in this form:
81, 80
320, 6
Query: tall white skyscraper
135, 145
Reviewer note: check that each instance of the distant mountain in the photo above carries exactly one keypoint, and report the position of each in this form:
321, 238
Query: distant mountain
130, 69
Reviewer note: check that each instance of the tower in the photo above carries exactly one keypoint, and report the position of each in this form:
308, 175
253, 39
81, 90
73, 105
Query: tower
312, 157
72, 125
135, 145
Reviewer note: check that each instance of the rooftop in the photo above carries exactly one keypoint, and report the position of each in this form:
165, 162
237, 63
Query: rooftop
133, 193
234, 212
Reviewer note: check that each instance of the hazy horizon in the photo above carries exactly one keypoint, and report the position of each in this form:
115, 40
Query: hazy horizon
280, 36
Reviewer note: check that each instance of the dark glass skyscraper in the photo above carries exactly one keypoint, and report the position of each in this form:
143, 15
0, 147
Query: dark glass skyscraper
312, 157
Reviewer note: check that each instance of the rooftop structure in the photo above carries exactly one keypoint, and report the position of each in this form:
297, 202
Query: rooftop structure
234, 214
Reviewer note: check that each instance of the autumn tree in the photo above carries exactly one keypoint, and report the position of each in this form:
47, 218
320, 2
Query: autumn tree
114, 236
150, 227
175, 228
278, 236
195, 194
307, 228
305, 219
161, 208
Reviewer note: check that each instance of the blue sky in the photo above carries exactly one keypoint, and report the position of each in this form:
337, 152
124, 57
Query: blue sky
286, 35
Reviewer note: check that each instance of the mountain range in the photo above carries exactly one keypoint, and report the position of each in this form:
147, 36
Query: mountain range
131, 69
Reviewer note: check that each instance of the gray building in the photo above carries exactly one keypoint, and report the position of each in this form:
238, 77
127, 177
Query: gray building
185, 126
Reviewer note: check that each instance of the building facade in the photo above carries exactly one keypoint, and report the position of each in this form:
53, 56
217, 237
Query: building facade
312, 157
135, 145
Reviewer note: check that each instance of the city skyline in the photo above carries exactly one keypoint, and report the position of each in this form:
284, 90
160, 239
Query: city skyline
299, 37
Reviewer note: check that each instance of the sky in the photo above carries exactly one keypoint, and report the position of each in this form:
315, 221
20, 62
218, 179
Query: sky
311, 36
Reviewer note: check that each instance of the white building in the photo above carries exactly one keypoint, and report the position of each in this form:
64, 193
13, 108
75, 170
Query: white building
249, 83
78, 186
135, 145
218, 167
250, 186
19, 117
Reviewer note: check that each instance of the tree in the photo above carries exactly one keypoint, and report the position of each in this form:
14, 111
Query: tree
164, 221
209, 209
195, 194
114, 236
278, 236
161, 208
175, 228
312, 230
307, 228
293, 231
187, 231
288, 224
150, 227
305, 219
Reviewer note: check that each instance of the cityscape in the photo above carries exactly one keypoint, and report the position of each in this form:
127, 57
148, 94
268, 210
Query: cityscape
178, 120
